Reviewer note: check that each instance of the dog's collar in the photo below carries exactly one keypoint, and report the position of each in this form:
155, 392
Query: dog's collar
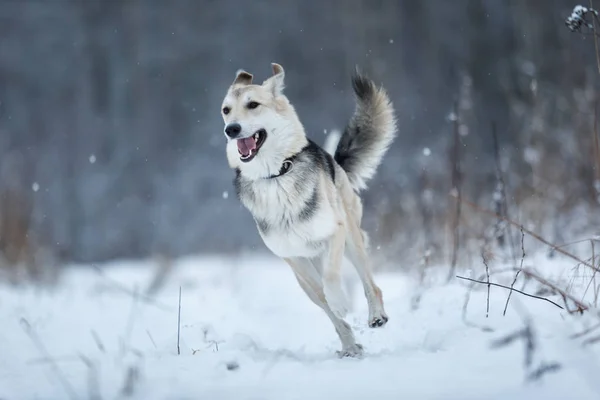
286, 167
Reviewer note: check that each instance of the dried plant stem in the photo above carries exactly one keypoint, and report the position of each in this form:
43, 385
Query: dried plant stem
530, 233
425, 209
596, 287
42, 349
596, 148
566, 296
179, 323
511, 289
595, 38
585, 331
518, 272
593, 279
501, 202
132, 377
151, 338
487, 273
93, 384
456, 188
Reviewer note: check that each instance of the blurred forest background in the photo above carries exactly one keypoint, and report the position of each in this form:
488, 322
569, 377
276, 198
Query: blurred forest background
111, 142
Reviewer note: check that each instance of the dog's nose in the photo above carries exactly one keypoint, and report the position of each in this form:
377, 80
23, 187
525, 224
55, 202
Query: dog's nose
233, 129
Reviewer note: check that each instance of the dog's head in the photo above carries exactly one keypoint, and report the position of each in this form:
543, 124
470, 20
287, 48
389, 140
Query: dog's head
261, 126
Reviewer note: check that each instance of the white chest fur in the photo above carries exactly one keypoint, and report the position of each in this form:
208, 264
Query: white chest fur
301, 239
293, 217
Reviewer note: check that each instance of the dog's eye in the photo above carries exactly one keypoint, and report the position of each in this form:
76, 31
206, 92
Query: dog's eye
252, 105
226, 110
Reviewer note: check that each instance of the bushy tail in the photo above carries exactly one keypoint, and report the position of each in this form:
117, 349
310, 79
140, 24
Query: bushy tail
369, 133
331, 141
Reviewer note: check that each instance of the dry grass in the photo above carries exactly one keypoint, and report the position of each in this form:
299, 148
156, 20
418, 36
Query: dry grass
22, 259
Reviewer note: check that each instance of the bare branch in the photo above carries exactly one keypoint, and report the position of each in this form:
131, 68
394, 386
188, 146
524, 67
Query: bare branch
511, 289
566, 296
530, 233
593, 279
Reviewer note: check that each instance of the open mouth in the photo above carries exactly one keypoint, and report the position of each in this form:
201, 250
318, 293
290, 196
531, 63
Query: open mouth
248, 147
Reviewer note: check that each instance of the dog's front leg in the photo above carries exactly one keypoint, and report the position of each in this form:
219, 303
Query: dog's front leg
309, 278
332, 273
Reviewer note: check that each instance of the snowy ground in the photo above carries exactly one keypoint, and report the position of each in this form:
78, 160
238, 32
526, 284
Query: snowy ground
249, 332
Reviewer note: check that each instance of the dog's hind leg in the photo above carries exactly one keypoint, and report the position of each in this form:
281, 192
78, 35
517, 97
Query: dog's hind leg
309, 278
357, 254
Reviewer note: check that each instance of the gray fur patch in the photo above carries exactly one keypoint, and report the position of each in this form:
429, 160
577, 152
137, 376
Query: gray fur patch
310, 207
243, 188
262, 225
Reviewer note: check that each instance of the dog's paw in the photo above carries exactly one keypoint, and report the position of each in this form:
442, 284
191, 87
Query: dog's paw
354, 351
336, 300
378, 320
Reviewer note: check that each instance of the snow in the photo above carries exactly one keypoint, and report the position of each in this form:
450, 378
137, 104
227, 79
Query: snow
577, 17
249, 332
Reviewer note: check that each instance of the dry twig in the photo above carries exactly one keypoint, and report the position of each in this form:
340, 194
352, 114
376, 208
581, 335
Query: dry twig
511, 289
487, 273
518, 272
530, 233
566, 296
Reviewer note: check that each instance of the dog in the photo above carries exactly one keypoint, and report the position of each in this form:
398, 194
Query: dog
305, 201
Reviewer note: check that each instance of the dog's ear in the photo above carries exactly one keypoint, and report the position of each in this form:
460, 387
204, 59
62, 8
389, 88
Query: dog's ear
276, 82
242, 78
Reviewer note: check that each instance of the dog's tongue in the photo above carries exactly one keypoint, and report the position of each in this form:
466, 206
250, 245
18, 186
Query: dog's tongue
245, 146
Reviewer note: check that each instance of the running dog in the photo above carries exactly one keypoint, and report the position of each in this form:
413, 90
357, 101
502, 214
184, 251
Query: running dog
305, 200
